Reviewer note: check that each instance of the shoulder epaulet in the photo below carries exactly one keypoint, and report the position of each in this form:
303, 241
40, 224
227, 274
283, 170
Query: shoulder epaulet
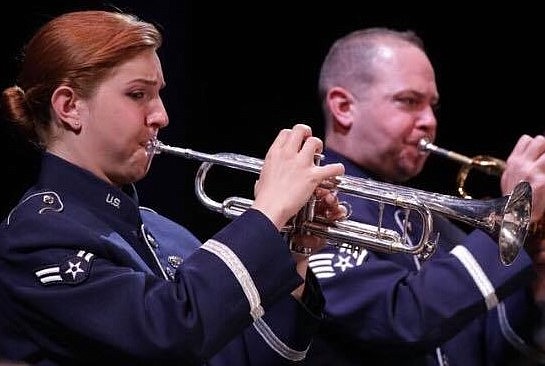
143, 208
40, 202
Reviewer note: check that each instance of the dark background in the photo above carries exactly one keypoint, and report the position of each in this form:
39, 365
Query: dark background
237, 73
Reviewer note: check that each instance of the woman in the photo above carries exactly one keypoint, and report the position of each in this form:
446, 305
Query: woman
88, 276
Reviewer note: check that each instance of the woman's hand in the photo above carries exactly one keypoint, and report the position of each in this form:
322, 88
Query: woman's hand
327, 206
289, 175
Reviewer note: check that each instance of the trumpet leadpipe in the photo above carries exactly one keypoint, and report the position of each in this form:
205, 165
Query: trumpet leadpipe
235, 161
426, 145
483, 163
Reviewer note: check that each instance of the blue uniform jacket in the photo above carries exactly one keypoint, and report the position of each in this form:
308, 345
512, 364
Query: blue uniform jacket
89, 277
461, 307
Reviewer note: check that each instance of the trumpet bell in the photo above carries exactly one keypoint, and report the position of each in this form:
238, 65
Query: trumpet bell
515, 223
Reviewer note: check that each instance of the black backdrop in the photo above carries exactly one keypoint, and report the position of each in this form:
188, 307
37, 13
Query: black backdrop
237, 73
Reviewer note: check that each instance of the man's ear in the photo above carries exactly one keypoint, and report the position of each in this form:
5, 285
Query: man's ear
63, 102
339, 102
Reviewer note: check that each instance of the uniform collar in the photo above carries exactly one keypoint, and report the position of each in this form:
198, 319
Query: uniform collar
75, 183
350, 167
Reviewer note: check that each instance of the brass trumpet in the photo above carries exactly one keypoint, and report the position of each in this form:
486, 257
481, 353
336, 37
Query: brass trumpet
505, 217
484, 163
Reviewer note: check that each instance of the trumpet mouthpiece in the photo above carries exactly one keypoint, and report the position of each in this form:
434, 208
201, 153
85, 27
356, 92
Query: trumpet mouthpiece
152, 147
424, 144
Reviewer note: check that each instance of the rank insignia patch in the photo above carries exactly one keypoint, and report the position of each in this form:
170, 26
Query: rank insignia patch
326, 265
72, 271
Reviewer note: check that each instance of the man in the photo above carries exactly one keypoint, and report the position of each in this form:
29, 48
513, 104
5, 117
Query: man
461, 306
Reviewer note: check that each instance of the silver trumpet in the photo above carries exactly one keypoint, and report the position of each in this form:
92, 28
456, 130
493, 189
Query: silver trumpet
506, 218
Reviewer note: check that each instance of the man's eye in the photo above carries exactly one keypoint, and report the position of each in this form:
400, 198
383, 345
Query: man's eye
411, 102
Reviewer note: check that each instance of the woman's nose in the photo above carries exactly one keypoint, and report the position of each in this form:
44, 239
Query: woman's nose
159, 119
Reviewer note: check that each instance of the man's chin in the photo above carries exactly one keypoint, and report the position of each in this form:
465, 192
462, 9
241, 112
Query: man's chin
411, 170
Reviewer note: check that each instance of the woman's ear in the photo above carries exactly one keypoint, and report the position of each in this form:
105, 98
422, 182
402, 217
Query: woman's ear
340, 102
63, 102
